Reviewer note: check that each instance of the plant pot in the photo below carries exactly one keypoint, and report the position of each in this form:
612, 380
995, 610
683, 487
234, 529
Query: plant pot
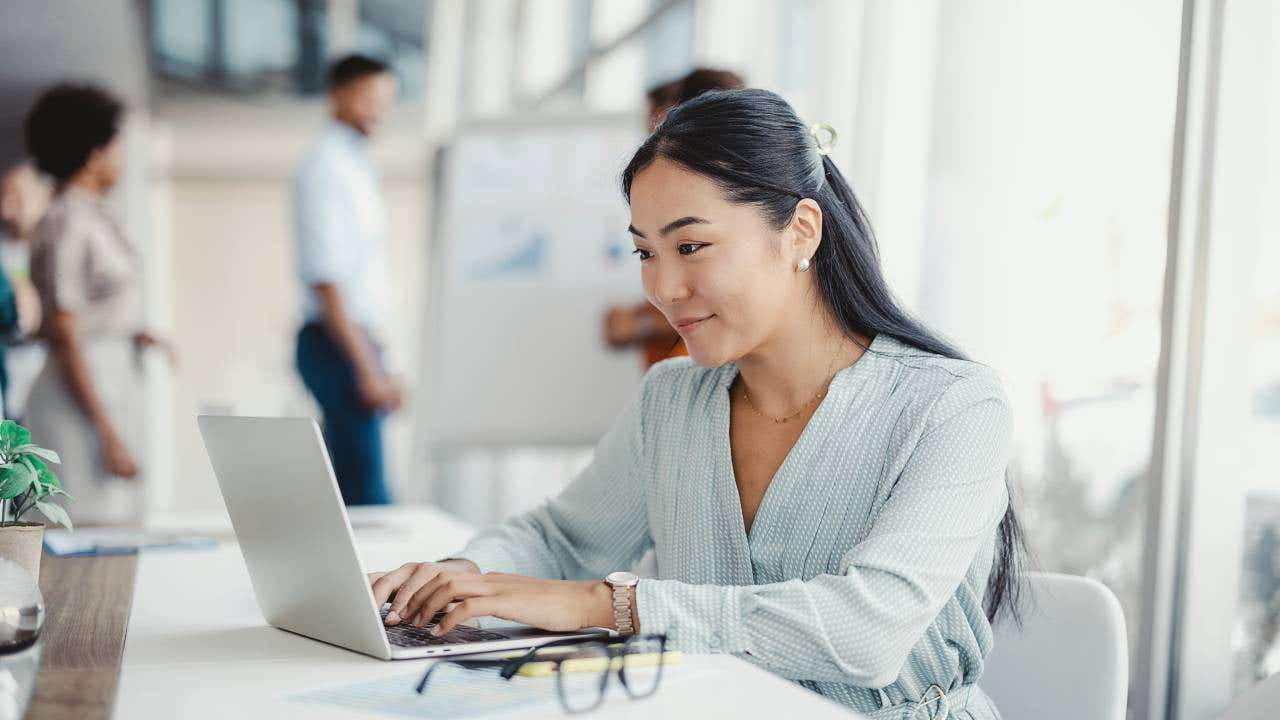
22, 543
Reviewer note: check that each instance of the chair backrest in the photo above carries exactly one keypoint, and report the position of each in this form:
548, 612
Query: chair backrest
1068, 660
1262, 701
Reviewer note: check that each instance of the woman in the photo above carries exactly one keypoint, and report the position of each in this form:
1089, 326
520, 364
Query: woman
83, 402
822, 481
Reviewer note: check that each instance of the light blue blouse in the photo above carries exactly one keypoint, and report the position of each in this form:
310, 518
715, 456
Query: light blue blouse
864, 573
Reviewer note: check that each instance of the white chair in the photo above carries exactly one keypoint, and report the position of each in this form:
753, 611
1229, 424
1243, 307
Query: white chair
1068, 660
1262, 701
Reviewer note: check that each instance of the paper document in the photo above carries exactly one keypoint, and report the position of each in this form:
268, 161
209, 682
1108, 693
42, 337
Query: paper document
454, 692
115, 541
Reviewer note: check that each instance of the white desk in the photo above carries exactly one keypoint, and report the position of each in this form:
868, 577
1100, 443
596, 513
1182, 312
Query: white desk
197, 646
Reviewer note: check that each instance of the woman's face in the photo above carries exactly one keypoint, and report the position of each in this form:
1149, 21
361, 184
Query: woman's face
107, 162
23, 200
723, 276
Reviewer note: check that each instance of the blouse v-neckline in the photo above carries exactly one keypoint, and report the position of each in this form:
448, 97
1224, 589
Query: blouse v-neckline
843, 385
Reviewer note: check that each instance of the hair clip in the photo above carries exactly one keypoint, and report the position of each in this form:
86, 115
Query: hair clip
825, 136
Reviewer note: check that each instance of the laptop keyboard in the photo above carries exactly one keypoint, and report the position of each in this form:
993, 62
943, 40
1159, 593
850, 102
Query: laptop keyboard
407, 635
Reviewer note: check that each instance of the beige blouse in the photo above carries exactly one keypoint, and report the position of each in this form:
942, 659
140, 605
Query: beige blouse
82, 263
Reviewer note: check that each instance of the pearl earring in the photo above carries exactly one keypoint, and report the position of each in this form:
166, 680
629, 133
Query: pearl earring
803, 266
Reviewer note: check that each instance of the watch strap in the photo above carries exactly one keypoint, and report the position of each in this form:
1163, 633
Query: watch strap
622, 608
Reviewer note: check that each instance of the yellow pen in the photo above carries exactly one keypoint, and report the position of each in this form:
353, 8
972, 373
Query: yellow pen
597, 664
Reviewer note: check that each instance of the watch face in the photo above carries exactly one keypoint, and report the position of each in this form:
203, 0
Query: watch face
622, 578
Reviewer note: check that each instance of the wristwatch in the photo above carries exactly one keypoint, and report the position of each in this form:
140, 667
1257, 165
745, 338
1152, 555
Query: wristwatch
623, 584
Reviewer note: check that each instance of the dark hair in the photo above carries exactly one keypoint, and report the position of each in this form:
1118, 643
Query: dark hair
67, 123
755, 148
702, 79
665, 94
353, 67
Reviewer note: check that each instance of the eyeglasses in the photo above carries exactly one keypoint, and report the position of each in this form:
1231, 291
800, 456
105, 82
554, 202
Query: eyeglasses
582, 668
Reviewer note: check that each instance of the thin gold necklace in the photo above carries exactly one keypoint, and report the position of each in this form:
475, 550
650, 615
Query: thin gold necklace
778, 421
821, 393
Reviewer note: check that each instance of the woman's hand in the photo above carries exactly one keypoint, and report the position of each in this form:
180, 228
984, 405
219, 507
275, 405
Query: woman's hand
398, 586
143, 341
557, 605
30, 314
116, 456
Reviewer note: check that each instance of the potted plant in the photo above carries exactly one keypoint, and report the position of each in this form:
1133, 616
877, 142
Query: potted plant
26, 483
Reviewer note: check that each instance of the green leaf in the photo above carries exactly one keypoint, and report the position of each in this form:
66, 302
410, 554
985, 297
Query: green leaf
38, 451
49, 481
12, 435
41, 474
34, 474
55, 513
14, 479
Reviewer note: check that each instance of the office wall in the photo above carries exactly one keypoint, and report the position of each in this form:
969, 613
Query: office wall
50, 40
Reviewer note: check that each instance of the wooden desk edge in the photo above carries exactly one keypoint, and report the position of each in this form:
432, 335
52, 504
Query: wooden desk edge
87, 605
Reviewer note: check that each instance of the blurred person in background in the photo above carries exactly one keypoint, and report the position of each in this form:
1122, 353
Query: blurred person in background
85, 400
642, 325
660, 99
340, 228
703, 79
8, 327
24, 197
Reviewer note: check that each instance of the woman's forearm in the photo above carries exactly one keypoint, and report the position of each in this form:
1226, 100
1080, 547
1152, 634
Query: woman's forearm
782, 626
67, 347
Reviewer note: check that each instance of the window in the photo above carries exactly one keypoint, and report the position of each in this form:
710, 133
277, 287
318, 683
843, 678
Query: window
1032, 231
1245, 227
282, 46
669, 44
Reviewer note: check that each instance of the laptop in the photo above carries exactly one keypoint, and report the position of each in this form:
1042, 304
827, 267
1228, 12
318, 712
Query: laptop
296, 539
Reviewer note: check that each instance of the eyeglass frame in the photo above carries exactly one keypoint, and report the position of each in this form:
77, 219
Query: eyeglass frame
510, 667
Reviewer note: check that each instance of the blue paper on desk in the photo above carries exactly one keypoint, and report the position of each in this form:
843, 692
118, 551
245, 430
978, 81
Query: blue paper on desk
88, 542
454, 692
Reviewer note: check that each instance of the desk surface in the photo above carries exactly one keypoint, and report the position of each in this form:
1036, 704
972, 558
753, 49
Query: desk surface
198, 647
87, 601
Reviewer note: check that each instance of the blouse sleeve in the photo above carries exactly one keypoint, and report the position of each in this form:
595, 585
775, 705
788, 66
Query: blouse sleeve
597, 525
858, 626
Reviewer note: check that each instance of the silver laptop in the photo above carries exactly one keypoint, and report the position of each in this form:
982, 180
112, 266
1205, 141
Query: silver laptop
293, 531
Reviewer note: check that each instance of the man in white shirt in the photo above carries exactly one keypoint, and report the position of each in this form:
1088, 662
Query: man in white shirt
340, 227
